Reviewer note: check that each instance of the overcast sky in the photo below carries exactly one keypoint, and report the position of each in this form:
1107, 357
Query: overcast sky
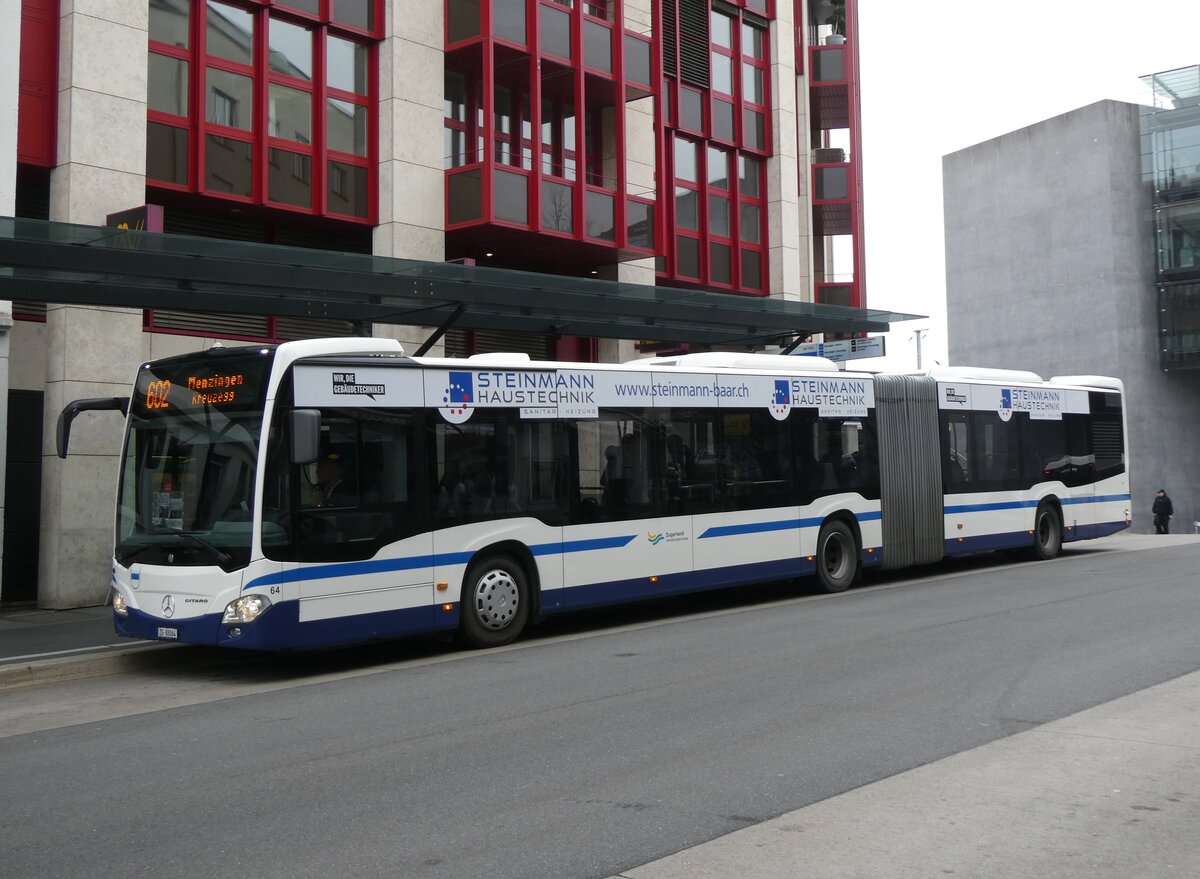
940, 77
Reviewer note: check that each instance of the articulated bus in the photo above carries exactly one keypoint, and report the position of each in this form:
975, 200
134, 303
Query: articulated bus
333, 491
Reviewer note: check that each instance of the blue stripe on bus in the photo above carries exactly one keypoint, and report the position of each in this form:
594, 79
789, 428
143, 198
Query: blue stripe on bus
777, 525
1017, 505
582, 545
1098, 499
384, 566
986, 508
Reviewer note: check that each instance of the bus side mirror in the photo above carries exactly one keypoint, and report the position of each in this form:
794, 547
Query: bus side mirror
306, 435
62, 436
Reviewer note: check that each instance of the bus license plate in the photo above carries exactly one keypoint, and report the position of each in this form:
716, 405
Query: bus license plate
168, 633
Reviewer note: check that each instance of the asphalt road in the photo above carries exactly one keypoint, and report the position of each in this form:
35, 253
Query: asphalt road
585, 750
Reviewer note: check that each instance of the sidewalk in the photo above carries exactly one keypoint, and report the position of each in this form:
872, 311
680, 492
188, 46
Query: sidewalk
32, 633
1110, 793
40, 646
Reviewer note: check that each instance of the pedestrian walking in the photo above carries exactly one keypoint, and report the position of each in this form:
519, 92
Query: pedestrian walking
1163, 511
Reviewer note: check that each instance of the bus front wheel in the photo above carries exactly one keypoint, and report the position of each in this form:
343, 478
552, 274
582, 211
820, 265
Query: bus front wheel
1047, 533
495, 602
837, 557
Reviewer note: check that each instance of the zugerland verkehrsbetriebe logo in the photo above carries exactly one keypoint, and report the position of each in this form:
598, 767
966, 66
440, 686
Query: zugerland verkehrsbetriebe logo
347, 383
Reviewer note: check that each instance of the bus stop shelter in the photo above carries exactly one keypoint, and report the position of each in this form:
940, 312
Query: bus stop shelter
44, 261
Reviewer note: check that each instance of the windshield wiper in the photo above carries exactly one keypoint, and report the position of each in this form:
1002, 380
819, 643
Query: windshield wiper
126, 555
223, 558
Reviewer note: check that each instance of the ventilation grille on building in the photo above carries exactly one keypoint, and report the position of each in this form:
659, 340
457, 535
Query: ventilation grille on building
694, 45
288, 329
670, 37
225, 326
829, 155
459, 343
29, 310
182, 223
247, 326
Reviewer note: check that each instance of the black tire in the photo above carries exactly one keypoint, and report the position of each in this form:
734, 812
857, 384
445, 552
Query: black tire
1047, 533
837, 557
495, 602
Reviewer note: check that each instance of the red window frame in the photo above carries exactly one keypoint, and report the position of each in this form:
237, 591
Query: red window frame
327, 93
185, 54
742, 244
763, 107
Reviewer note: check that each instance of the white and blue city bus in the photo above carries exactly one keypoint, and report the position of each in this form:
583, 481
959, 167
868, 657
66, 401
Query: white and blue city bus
335, 491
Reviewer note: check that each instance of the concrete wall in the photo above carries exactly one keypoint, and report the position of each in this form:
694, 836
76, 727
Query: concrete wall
786, 227
1050, 267
412, 211
91, 352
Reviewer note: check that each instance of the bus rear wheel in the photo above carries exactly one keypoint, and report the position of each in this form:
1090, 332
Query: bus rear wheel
1047, 534
837, 557
495, 602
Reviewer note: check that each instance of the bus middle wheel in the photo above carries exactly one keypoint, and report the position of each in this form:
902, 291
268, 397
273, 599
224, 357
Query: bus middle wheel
837, 557
1047, 533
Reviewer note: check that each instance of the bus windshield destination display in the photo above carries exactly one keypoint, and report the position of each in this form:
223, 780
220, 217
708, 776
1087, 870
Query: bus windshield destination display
192, 385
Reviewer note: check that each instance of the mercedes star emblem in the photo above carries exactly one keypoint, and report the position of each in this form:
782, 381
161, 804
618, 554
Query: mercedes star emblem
168, 606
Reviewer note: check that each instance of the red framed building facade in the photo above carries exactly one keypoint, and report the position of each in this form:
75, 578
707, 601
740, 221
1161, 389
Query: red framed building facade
271, 107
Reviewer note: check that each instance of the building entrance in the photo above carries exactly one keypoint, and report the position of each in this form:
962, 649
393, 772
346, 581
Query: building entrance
22, 497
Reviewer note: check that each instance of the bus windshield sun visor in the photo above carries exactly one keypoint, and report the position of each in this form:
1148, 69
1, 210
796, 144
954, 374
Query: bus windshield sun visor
63, 434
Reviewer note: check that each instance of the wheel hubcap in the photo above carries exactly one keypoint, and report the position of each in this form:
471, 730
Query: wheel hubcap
1045, 531
835, 557
496, 599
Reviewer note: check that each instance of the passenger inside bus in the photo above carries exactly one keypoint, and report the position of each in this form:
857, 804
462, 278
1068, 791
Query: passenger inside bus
335, 490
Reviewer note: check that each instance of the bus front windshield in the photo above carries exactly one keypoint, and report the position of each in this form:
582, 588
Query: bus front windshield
186, 492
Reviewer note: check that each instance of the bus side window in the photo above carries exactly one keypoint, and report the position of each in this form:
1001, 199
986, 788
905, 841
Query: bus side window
955, 452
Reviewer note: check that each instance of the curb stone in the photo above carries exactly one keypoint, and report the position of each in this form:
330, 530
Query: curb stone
88, 665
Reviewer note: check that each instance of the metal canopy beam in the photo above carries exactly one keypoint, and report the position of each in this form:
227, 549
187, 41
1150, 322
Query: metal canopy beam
58, 262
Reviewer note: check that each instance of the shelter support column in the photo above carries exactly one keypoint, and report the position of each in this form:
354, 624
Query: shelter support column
640, 271
412, 177
790, 274
101, 169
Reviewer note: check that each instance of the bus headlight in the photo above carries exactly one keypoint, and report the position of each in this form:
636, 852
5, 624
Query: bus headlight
119, 605
246, 609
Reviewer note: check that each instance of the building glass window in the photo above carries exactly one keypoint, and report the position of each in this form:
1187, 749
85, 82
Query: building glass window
170, 23
261, 134
229, 33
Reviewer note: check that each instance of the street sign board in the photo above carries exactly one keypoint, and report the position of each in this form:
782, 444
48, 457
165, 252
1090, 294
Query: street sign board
843, 349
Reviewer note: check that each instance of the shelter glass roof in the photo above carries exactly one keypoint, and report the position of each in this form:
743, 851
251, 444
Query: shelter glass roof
74, 264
